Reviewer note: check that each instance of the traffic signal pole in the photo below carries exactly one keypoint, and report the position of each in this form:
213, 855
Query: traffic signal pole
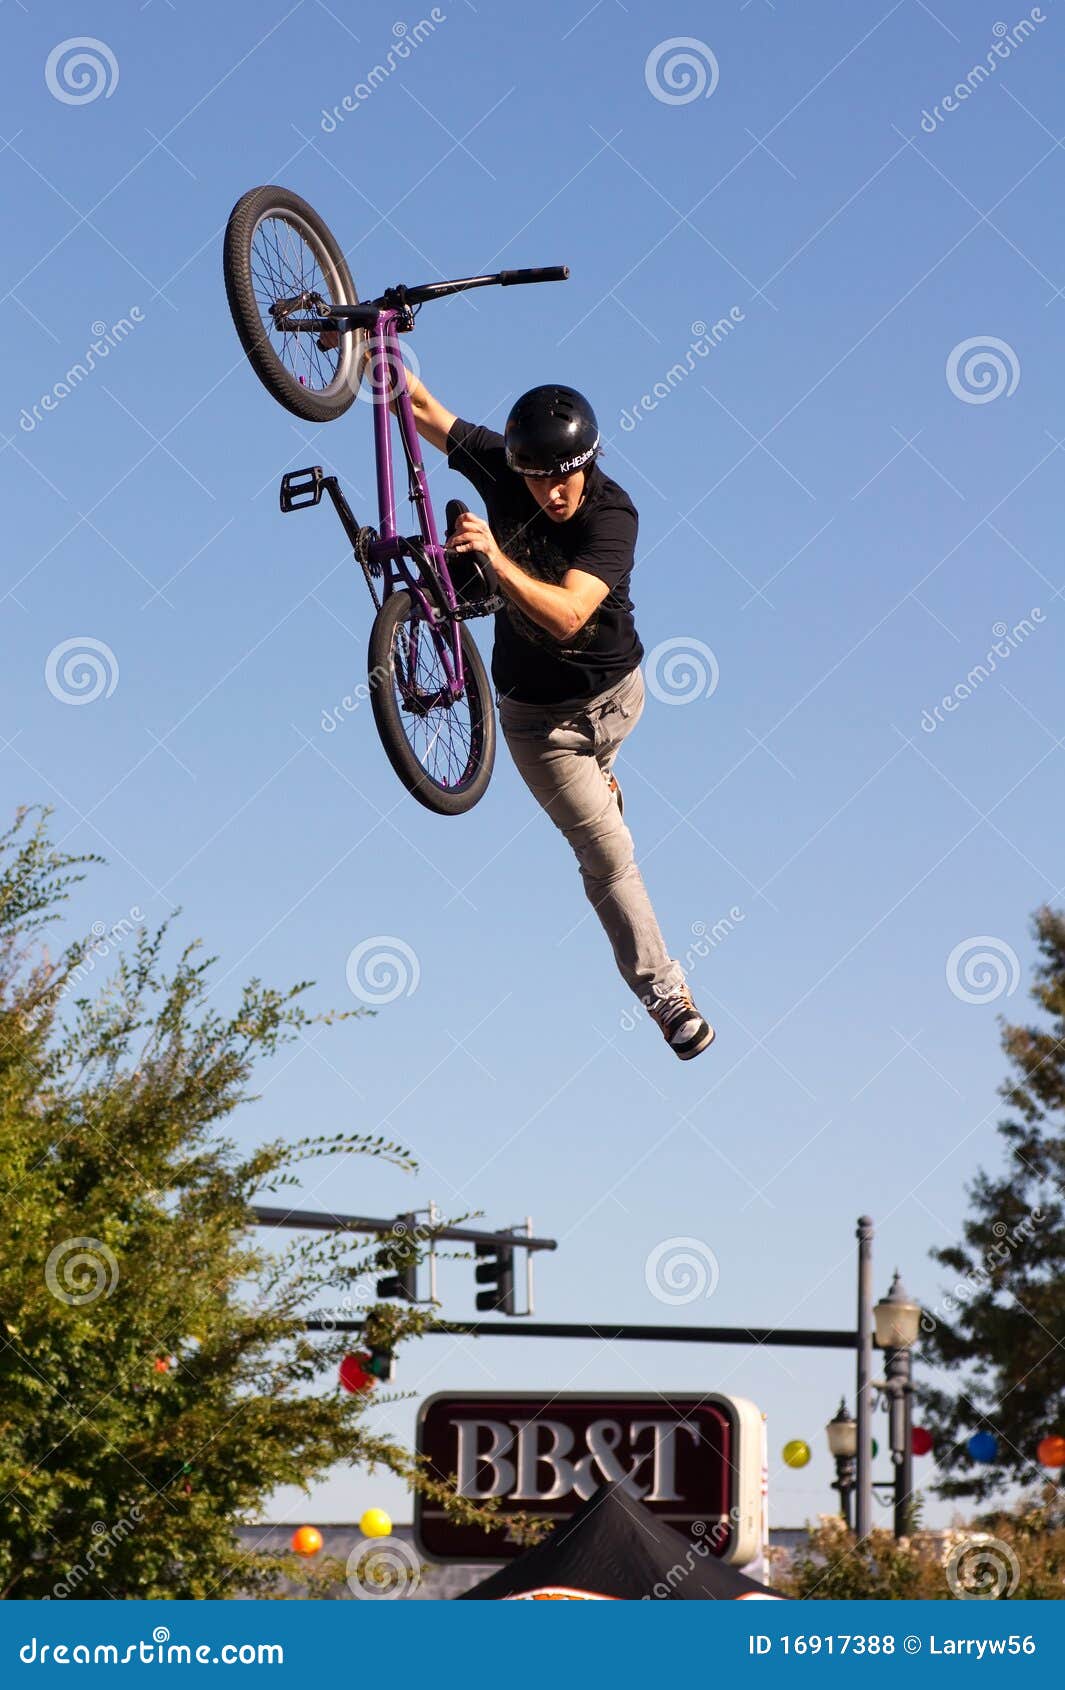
494, 1252
318, 1220
801, 1337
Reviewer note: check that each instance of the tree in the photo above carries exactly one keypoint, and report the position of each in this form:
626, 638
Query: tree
1001, 1326
156, 1379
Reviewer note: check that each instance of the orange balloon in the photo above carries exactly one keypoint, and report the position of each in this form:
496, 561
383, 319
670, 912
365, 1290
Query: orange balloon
307, 1540
1051, 1451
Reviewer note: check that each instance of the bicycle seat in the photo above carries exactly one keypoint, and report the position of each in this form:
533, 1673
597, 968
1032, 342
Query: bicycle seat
472, 575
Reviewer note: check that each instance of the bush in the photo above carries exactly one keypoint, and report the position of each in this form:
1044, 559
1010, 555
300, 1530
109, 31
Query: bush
1019, 1554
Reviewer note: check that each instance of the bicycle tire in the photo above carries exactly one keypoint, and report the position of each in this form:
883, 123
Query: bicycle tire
317, 405
452, 799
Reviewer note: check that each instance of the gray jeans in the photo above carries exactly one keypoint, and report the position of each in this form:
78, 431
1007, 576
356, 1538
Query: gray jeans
564, 753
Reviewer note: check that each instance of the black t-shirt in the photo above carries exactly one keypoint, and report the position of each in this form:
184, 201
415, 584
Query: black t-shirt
528, 663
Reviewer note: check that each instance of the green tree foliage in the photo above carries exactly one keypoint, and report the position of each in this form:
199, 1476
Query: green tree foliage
1000, 1324
1014, 1555
156, 1379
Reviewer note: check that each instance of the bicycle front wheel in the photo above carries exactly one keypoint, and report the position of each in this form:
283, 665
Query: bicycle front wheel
442, 749
277, 252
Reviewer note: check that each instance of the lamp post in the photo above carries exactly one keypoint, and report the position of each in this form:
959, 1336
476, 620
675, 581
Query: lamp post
864, 1396
842, 1433
897, 1318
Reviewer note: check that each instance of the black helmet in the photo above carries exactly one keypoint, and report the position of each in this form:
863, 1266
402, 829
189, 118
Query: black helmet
551, 431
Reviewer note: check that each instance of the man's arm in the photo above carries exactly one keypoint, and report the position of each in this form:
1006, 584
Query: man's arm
562, 610
433, 421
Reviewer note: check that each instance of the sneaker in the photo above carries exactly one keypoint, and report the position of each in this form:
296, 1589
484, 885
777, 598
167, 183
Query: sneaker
615, 792
684, 1029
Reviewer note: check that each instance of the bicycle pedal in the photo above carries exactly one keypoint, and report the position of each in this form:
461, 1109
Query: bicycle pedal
482, 607
301, 487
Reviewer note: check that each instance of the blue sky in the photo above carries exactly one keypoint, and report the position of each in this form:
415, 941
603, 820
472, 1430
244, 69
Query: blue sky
838, 503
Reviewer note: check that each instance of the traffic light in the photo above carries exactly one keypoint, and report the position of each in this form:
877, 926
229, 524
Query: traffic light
381, 1363
400, 1254
495, 1269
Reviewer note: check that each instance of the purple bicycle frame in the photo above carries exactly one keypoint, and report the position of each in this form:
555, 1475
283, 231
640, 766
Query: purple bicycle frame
388, 550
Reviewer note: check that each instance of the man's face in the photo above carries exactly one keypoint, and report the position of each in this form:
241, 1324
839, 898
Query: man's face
558, 495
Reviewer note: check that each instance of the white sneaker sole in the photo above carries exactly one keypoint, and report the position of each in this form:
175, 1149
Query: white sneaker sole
697, 1047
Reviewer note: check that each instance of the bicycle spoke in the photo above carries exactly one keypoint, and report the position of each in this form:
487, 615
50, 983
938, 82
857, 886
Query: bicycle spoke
284, 265
444, 734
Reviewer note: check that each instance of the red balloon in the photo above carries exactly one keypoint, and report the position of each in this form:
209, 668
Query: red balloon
353, 1376
920, 1440
1051, 1451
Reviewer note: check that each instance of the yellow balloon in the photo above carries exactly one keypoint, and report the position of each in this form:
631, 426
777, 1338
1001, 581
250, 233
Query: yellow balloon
796, 1453
375, 1523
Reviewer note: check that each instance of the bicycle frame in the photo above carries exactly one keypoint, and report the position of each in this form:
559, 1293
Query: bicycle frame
390, 551
386, 552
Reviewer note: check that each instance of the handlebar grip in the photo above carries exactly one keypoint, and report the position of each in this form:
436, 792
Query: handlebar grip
553, 273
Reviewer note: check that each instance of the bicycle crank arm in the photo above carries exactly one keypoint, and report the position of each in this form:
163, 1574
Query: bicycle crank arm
301, 488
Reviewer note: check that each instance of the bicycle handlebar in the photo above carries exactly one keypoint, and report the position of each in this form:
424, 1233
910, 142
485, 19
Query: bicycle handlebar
505, 278
553, 273
365, 314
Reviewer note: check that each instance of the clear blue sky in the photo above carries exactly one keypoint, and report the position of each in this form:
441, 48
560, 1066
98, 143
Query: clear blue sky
820, 507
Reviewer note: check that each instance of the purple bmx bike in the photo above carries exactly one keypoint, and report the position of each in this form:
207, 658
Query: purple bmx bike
310, 341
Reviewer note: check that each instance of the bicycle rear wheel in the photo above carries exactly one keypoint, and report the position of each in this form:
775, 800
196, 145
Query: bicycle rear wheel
442, 750
277, 249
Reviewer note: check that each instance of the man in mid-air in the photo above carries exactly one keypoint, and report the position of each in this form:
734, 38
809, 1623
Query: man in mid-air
560, 537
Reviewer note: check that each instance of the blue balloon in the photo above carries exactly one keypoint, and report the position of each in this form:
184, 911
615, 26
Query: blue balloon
983, 1446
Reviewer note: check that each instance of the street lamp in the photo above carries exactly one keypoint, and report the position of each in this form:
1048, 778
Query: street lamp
842, 1434
898, 1320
